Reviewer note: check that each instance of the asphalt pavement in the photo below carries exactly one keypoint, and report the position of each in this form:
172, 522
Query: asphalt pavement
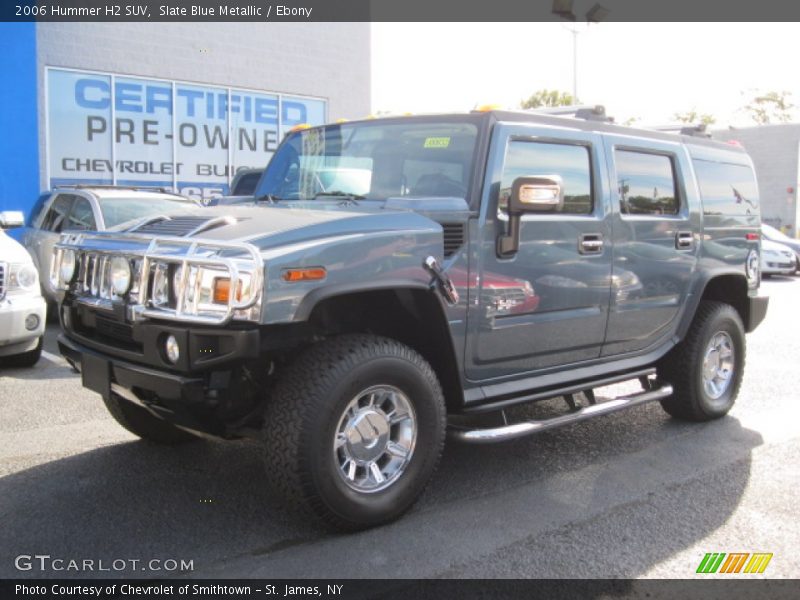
634, 494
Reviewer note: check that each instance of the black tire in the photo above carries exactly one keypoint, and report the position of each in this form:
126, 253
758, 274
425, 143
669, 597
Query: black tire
683, 366
309, 404
140, 422
26, 359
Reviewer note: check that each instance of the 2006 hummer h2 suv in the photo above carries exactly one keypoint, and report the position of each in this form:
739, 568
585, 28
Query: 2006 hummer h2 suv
394, 277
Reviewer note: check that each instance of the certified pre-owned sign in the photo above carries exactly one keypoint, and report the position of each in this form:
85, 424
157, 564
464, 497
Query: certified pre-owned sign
105, 128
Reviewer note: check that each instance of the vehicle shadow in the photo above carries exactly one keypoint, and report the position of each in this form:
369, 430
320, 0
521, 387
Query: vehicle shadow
780, 278
209, 503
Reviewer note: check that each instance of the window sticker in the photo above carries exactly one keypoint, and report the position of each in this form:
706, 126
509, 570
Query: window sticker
436, 142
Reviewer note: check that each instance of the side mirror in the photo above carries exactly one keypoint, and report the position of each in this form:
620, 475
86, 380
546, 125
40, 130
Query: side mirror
533, 194
11, 218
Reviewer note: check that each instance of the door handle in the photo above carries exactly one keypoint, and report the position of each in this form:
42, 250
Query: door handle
684, 240
591, 243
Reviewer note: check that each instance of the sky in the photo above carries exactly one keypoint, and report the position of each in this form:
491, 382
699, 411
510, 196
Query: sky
643, 71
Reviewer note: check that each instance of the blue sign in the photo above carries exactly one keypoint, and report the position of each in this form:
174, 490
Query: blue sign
192, 138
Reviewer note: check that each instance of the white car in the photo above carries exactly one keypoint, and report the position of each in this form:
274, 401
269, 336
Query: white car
22, 308
777, 259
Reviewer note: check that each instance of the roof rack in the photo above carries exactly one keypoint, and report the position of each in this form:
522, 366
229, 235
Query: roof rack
698, 130
586, 112
105, 186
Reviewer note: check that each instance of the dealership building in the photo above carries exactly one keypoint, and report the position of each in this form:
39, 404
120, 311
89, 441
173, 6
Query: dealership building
178, 105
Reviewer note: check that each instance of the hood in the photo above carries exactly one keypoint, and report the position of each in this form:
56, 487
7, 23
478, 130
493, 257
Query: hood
769, 245
269, 226
12, 251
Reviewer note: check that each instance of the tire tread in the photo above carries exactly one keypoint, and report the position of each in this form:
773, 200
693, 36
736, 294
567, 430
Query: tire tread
678, 367
300, 391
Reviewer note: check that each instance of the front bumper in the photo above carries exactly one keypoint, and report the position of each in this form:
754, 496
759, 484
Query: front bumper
201, 348
188, 400
15, 337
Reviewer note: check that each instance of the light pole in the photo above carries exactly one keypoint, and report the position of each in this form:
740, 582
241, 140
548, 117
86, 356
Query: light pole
564, 9
574, 31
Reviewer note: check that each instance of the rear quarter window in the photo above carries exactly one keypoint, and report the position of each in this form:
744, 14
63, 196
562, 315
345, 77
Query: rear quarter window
727, 189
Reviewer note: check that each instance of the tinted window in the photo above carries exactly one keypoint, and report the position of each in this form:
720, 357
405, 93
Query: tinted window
120, 210
246, 184
726, 188
37, 208
81, 217
57, 215
646, 183
377, 160
570, 162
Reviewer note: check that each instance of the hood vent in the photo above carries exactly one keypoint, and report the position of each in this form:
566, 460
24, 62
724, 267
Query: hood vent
183, 226
453, 238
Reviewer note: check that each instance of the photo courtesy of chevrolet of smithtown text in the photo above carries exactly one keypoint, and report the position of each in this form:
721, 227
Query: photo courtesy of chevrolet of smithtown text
354, 299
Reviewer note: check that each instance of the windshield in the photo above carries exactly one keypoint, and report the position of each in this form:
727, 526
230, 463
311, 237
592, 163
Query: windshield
774, 234
375, 161
120, 210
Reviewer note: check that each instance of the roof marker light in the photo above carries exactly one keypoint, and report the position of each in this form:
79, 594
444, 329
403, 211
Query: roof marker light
487, 107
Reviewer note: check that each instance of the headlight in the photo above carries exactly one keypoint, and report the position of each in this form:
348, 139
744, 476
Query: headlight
160, 295
120, 275
67, 269
22, 277
27, 277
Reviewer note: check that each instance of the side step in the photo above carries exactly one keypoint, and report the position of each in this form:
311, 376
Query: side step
512, 431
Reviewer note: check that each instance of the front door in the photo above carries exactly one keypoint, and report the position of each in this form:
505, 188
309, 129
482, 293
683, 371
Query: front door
546, 305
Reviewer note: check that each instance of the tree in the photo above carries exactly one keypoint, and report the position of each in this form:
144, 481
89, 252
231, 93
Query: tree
693, 117
770, 107
547, 98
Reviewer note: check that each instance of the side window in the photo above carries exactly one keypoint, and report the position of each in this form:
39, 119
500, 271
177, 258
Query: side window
37, 209
81, 217
246, 185
57, 214
726, 188
571, 162
646, 182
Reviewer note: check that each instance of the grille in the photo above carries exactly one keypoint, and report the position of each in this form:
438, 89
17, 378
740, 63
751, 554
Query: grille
179, 226
114, 329
453, 238
3, 270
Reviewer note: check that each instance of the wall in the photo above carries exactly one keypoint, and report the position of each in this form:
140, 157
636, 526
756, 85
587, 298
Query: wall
328, 60
774, 150
19, 150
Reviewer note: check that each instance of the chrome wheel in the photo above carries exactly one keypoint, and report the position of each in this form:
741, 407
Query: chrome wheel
375, 438
718, 365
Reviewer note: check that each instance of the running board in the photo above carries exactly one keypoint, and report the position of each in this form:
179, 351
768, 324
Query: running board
509, 432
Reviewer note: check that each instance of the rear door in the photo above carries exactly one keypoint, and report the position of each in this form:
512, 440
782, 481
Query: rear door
656, 228
546, 305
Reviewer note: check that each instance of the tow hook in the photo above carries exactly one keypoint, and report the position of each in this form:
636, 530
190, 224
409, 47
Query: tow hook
445, 285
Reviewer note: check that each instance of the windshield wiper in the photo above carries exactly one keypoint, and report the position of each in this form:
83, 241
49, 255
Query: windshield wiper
349, 198
268, 198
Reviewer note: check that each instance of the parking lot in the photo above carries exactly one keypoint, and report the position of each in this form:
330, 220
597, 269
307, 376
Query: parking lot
635, 494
